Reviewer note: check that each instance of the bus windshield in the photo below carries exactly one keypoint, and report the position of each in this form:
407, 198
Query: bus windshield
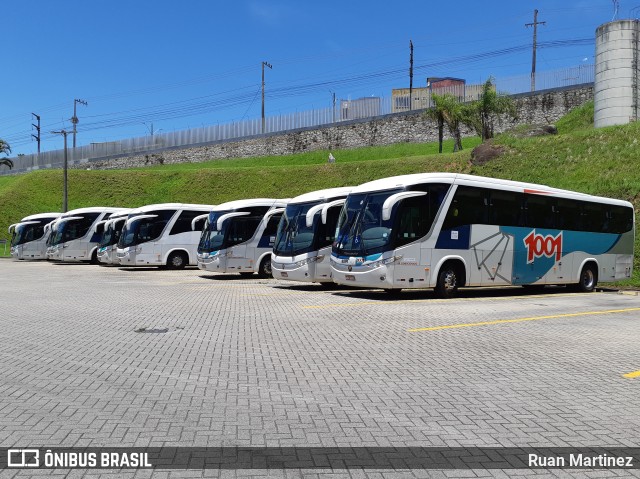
294, 236
111, 233
141, 231
71, 230
26, 232
362, 231
233, 230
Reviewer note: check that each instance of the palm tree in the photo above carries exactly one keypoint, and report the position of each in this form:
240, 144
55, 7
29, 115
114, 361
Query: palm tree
481, 115
6, 149
448, 110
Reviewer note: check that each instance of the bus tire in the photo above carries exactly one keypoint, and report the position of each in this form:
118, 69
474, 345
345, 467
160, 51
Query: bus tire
450, 278
177, 260
588, 278
94, 256
264, 271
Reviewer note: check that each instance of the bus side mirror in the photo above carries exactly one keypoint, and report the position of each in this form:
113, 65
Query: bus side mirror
387, 206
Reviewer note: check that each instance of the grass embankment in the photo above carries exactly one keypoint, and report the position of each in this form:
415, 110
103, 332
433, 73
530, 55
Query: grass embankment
603, 162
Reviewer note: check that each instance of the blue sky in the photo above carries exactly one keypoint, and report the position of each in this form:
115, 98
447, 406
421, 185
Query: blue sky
187, 64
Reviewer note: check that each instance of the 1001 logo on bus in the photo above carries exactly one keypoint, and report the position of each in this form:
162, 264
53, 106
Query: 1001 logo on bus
538, 246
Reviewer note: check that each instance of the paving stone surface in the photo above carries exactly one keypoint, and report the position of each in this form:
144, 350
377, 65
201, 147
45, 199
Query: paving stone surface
231, 361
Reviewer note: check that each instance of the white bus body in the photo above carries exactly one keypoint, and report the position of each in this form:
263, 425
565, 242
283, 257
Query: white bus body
111, 230
446, 230
306, 231
160, 235
74, 236
238, 236
29, 237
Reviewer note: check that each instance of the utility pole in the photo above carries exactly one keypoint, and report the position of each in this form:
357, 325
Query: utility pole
270, 67
410, 74
535, 44
66, 167
37, 127
333, 95
74, 119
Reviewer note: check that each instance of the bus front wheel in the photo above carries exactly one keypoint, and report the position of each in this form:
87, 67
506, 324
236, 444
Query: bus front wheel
588, 279
264, 271
177, 260
449, 279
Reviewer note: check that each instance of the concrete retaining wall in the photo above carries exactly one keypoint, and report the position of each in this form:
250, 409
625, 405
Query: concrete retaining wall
542, 107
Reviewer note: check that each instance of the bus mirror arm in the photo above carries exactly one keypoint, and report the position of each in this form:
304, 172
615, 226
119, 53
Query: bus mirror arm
387, 206
196, 219
224, 218
325, 208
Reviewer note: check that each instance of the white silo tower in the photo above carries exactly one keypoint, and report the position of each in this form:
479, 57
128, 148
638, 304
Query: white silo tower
616, 88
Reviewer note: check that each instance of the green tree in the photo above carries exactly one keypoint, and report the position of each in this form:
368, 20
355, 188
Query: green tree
6, 149
482, 115
447, 110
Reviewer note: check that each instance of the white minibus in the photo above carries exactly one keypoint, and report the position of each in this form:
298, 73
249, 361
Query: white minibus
161, 235
238, 236
29, 236
446, 231
306, 231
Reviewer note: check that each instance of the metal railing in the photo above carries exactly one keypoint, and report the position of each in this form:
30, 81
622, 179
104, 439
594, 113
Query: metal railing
347, 110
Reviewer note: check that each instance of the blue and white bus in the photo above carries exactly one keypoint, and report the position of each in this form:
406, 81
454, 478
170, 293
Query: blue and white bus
238, 236
446, 231
305, 234
29, 237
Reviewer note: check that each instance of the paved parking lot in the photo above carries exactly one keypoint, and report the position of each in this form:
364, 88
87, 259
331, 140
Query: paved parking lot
226, 361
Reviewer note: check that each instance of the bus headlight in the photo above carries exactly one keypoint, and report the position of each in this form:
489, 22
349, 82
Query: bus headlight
385, 261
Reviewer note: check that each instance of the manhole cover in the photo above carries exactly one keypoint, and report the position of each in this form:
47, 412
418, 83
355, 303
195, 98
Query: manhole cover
152, 330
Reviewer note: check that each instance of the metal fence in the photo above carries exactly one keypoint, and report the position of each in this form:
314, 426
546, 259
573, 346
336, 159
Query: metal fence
369, 107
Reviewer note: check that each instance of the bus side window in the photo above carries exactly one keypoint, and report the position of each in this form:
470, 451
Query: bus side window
539, 211
469, 206
505, 208
567, 215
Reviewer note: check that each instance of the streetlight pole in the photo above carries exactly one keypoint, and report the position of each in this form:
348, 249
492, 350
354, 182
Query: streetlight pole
74, 119
64, 133
270, 67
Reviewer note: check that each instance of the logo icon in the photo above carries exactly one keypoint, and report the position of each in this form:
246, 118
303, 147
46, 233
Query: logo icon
538, 246
23, 458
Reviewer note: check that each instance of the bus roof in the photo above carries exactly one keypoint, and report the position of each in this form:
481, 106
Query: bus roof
233, 205
171, 206
326, 195
91, 209
481, 182
41, 216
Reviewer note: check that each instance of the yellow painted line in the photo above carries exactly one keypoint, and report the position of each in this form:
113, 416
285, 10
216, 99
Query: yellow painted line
635, 374
521, 320
392, 302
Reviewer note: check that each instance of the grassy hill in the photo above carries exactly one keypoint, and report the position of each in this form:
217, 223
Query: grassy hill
603, 162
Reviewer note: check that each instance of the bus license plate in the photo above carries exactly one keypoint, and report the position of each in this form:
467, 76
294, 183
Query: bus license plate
283, 274
350, 277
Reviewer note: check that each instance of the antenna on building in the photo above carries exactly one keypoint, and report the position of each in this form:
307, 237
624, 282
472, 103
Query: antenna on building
616, 7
